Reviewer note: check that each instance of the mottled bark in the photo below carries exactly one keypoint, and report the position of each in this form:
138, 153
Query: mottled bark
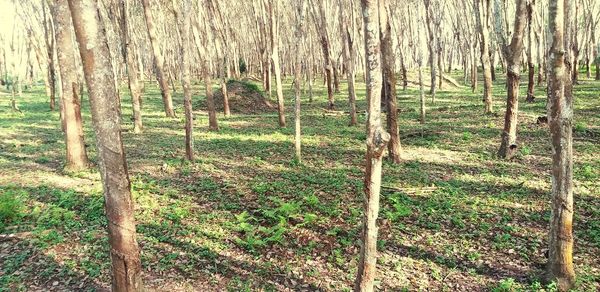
93, 48
377, 139
483, 10
349, 54
131, 67
530, 64
158, 61
560, 120
512, 52
297, 76
210, 101
184, 40
389, 81
274, 29
72, 123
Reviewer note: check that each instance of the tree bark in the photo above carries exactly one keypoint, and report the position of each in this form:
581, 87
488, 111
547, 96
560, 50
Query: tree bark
273, 6
297, 77
72, 122
93, 48
560, 120
377, 139
530, 64
158, 61
432, 45
184, 38
389, 82
210, 101
482, 23
508, 146
48, 31
132, 74
328, 66
349, 55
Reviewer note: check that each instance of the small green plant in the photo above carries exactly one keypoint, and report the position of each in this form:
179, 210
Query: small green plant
505, 285
467, 136
11, 207
525, 150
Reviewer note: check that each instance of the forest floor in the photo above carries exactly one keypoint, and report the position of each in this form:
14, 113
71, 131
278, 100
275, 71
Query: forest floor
246, 216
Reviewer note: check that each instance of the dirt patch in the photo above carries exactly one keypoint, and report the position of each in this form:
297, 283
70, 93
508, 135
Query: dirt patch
244, 98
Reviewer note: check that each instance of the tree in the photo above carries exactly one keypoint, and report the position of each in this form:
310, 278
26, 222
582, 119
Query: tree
274, 29
349, 54
530, 65
560, 120
70, 101
301, 7
49, 38
93, 48
159, 61
184, 40
483, 10
389, 81
432, 45
377, 139
321, 23
132, 74
512, 54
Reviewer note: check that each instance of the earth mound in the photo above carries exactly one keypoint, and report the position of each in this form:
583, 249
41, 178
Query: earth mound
244, 97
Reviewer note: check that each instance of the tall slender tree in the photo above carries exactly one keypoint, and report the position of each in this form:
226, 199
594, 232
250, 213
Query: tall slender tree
377, 139
183, 27
274, 30
512, 53
72, 123
118, 202
388, 93
483, 11
159, 61
130, 65
560, 119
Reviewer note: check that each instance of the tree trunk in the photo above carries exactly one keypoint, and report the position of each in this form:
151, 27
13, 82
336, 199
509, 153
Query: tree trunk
508, 146
210, 101
349, 55
432, 45
297, 76
483, 16
77, 158
530, 65
328, 66
158, 61
132, 74
560, 120
389, 82
273, 6
377, 139
184, 35
49, 32
93, 47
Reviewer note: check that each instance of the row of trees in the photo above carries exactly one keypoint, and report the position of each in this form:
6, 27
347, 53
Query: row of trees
209, 45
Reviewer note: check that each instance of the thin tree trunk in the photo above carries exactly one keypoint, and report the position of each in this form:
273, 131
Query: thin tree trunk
93, 47
530, 65
389, 82
132, 74
560, 120
483, 16
77, 158
508, 146
377, 139
210, 101
158, 61
432, 45
48, 31
297, 76
349, 55
273, 6
184, 35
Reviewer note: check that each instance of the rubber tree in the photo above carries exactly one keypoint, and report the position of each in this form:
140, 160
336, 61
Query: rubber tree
72, 123
388, 92
512, 53
560, 120
483, 11
159, 61
377, 139
106, 121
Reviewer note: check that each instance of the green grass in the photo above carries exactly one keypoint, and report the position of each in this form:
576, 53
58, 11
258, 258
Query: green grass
246, 216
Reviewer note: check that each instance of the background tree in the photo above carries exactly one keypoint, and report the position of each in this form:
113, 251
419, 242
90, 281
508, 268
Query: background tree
72, 123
